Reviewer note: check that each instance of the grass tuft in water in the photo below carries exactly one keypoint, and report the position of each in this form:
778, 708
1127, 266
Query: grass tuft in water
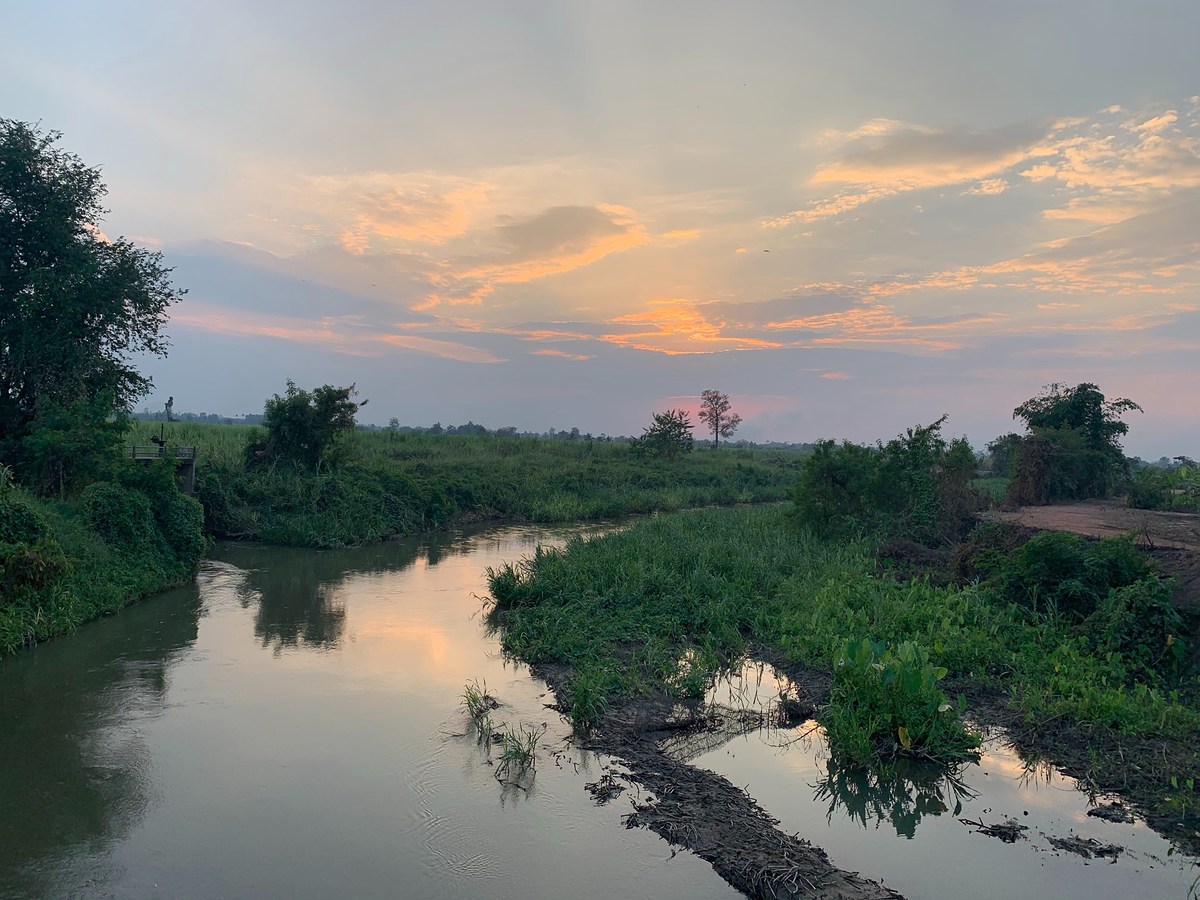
518, 753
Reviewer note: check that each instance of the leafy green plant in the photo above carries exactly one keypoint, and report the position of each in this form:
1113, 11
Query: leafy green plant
916, 486
1059, 573
1139, 622
668, 436
886, 702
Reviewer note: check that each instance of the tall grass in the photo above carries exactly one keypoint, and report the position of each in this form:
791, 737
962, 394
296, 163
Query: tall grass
63, 564
393, 484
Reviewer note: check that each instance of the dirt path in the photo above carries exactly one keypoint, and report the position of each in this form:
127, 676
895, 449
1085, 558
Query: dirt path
1104, 518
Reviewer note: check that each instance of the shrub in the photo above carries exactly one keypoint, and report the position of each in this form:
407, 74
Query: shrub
887, 702
18, 521
1139, 622
26, 567
1060, 573
120, 515
916, 486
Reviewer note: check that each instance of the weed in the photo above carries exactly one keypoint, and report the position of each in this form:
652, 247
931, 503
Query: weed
479, 704
518, 752
623, 610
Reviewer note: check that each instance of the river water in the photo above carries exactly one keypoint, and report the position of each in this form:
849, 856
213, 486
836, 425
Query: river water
290, 726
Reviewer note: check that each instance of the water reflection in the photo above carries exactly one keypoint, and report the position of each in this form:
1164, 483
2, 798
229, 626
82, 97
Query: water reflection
76, 770
903, 793
298, 595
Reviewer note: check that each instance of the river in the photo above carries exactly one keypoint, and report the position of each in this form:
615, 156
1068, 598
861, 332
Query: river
291, 726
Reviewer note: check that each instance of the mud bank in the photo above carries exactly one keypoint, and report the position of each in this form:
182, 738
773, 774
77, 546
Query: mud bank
703, 812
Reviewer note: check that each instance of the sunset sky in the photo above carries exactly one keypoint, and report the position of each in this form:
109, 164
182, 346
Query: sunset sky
853, 217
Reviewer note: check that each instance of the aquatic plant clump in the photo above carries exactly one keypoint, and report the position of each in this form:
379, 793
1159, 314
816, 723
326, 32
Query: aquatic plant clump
886, 702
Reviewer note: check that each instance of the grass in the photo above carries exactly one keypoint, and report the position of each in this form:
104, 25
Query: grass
518, 753
518, 747
673, 599
479, 703
393, 484
82, 560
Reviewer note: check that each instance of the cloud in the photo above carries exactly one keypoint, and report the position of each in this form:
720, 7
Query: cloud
389, 209
677, 326
1111, 165
349, 335
562, 354
987, 188
557, 240
835, 376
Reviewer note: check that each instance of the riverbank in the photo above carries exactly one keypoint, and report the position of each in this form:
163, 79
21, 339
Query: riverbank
661, 608
66, 563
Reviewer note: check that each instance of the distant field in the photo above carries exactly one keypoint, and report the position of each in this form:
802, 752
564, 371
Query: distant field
392, 484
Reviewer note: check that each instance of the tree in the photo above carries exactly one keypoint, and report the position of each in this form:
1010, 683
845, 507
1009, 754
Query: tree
715, 413
1003, 453
1073, 448
668, 436
304, 426
75, 306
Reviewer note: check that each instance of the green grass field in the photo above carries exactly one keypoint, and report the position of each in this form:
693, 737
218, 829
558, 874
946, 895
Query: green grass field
391, 484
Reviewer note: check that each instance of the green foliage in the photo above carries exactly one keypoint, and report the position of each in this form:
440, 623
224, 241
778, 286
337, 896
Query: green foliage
916, 486
1139, 622
479, 703
1057, 573
69, 446
1173, 488
670, 598
518, 752
121, 516
77, 308
397, 484
304, 427
716, 412
668, 437
1073, 448
66, 563
1003, 454
887, 702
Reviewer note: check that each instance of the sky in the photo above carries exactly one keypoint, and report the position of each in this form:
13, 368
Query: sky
851, 217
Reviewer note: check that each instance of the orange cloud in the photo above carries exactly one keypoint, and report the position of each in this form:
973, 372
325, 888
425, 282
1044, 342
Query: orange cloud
677, 327
387, 209
557, 240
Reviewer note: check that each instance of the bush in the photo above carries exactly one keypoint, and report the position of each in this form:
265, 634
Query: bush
18, 521
1060, 573
887, 702
1139, 622
916, 486
118, 514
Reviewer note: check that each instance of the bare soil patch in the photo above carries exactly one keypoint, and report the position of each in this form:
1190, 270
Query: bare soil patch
1105, 518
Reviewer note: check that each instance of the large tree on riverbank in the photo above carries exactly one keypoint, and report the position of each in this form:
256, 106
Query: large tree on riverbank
75, 305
